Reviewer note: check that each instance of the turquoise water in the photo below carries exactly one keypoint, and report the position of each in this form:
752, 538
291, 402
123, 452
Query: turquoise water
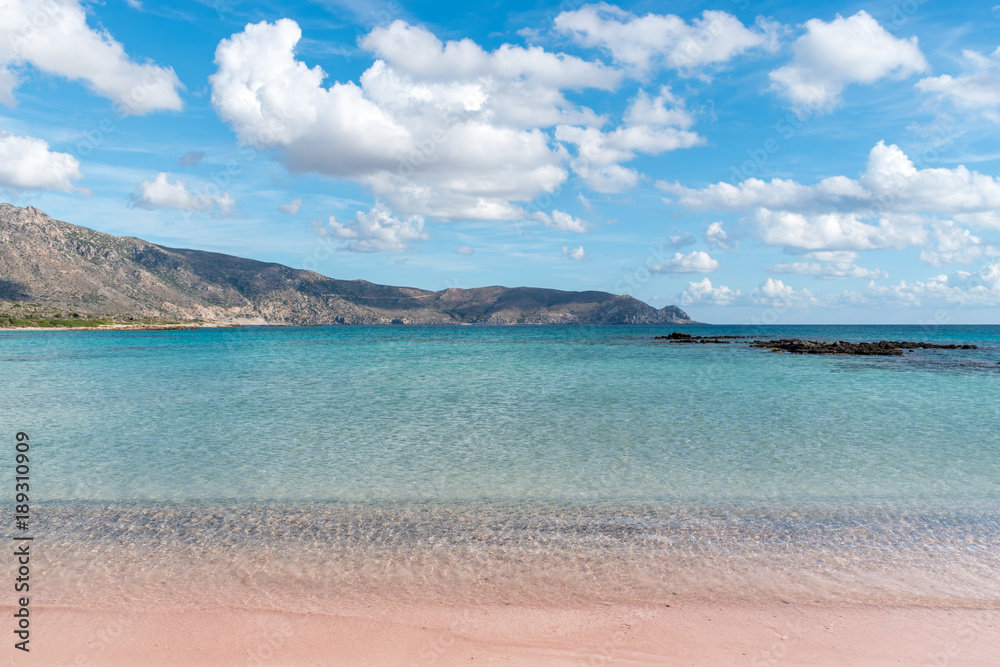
540, 446
505, 414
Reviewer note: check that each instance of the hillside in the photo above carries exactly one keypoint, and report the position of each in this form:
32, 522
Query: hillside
65, 268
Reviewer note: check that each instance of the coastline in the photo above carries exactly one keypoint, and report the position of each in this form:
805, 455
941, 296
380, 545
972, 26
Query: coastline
260, 538
135, 327
383, 632
238, 325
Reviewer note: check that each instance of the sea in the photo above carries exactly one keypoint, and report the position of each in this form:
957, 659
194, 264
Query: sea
299, 467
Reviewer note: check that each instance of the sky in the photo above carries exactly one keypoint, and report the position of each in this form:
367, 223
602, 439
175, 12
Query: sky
749, 161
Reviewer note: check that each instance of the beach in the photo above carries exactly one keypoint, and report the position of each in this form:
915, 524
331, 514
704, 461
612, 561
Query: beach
370, 332
536, 495
416, 585
385, 633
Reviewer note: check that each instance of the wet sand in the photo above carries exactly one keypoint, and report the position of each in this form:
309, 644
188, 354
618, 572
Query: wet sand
383, 632
406, 585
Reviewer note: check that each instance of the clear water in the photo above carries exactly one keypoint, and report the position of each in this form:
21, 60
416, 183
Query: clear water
539, 454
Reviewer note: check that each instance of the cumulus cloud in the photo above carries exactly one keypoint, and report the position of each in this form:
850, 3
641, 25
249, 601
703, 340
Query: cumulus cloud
773, 292
697, 261
465, 250
379, 230
54, 38
416, 51
440, 129
831, 56
834, 231
26, 163
959, 288
578, 254
292, 207
977, 90
653, 125
162, 193
664, 40
704, 292
835, 264
891, 205
953, 245
890, 184
716, 236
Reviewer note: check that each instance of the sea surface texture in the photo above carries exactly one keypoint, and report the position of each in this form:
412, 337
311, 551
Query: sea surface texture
290, 466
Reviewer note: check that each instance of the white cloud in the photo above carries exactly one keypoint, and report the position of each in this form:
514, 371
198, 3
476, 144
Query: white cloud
653, 125
830, 264
8, 82
891, 205
416, 51
831, 56
959, 288
979, 90
716, 236
563, 222
162, 193
697, 261
292, 207
773, 292
834, 231
27, 163
274, 101
440, 129
465, 250
54, 38
379, 230
578, 254
953, 245
663, 40
704, 292
890, 183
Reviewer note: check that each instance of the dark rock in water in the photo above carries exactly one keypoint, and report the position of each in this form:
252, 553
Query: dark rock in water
883, 348
678, 337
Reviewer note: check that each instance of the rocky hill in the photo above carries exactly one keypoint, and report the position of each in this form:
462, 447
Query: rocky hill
64, 267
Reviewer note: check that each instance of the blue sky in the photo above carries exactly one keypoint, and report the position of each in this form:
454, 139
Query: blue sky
749, 161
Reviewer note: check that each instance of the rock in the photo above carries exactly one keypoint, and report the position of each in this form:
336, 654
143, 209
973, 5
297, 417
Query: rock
882, 348
678, 337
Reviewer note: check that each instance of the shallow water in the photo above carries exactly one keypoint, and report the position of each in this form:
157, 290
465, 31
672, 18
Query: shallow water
475, 461
303, 556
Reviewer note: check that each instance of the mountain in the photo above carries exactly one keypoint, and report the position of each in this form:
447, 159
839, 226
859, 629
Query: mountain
65, 267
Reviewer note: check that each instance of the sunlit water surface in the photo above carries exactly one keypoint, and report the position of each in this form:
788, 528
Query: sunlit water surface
293, 464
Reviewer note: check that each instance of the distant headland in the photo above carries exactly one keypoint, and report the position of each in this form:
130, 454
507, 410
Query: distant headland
55, 274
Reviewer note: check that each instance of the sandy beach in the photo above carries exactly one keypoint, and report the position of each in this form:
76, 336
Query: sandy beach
382, 632
513, 497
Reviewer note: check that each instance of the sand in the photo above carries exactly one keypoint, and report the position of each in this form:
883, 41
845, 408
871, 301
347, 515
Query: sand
383, 632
